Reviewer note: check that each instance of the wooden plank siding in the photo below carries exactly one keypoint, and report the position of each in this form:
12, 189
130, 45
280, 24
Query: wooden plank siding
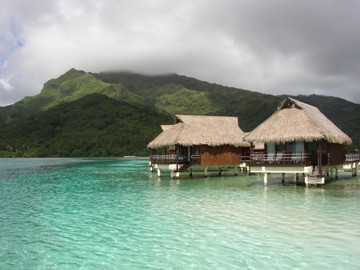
336, 154
221, 154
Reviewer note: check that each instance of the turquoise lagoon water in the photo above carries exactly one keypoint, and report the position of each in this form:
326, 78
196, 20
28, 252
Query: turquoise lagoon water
114, 214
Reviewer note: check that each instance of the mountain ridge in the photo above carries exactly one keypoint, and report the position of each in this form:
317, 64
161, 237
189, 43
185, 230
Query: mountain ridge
163, 96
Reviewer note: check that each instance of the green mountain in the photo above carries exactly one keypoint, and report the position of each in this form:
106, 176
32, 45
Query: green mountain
180, 94
118, 113
94, 125
71, 86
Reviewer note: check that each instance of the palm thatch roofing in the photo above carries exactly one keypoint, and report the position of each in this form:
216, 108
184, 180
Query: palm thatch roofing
297, 121
165, 127
190, 130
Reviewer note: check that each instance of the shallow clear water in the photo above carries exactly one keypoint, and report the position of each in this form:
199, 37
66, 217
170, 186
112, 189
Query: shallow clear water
113, 214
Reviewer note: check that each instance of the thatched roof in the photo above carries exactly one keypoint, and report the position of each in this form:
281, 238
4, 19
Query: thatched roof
165, 127
257, 145
297, 121
192, 130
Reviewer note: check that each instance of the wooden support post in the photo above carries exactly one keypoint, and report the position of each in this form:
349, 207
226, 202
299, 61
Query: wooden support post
296, 178
174, 174
320, 159
354, 169
265, 179
283, 178
177, 156
191, 174
336, 173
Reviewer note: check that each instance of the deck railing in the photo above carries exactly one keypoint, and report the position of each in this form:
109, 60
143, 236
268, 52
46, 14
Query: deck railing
280, 158
173, 159
254, 158
354, 156
167, 159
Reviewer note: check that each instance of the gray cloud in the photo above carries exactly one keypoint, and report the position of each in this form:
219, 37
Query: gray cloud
277, 47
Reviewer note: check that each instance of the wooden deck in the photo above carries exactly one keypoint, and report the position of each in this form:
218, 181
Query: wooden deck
260, 158
261, 163
353, 156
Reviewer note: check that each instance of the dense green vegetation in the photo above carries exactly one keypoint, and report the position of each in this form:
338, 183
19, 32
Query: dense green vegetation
118, 113
71, 86
94, 125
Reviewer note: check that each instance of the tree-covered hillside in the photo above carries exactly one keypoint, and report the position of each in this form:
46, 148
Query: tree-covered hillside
181, 94
94, 125
118, 113
70, 86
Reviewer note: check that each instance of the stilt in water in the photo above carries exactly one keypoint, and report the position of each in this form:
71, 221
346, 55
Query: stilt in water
354, 169
174, 174
206, 172
296, 178
265, 179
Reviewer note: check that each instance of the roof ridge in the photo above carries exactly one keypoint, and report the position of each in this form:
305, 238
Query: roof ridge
199, 115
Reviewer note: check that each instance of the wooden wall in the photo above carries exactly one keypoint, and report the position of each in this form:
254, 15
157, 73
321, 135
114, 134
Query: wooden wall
337, 153
221, 155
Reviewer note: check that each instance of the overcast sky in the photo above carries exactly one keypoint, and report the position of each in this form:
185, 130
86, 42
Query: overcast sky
270, 46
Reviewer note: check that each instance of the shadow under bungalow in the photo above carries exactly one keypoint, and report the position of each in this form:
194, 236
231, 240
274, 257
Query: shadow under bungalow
296, 139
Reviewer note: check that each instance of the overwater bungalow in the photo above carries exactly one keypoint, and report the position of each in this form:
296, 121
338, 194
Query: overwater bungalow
298, 139
199, 143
